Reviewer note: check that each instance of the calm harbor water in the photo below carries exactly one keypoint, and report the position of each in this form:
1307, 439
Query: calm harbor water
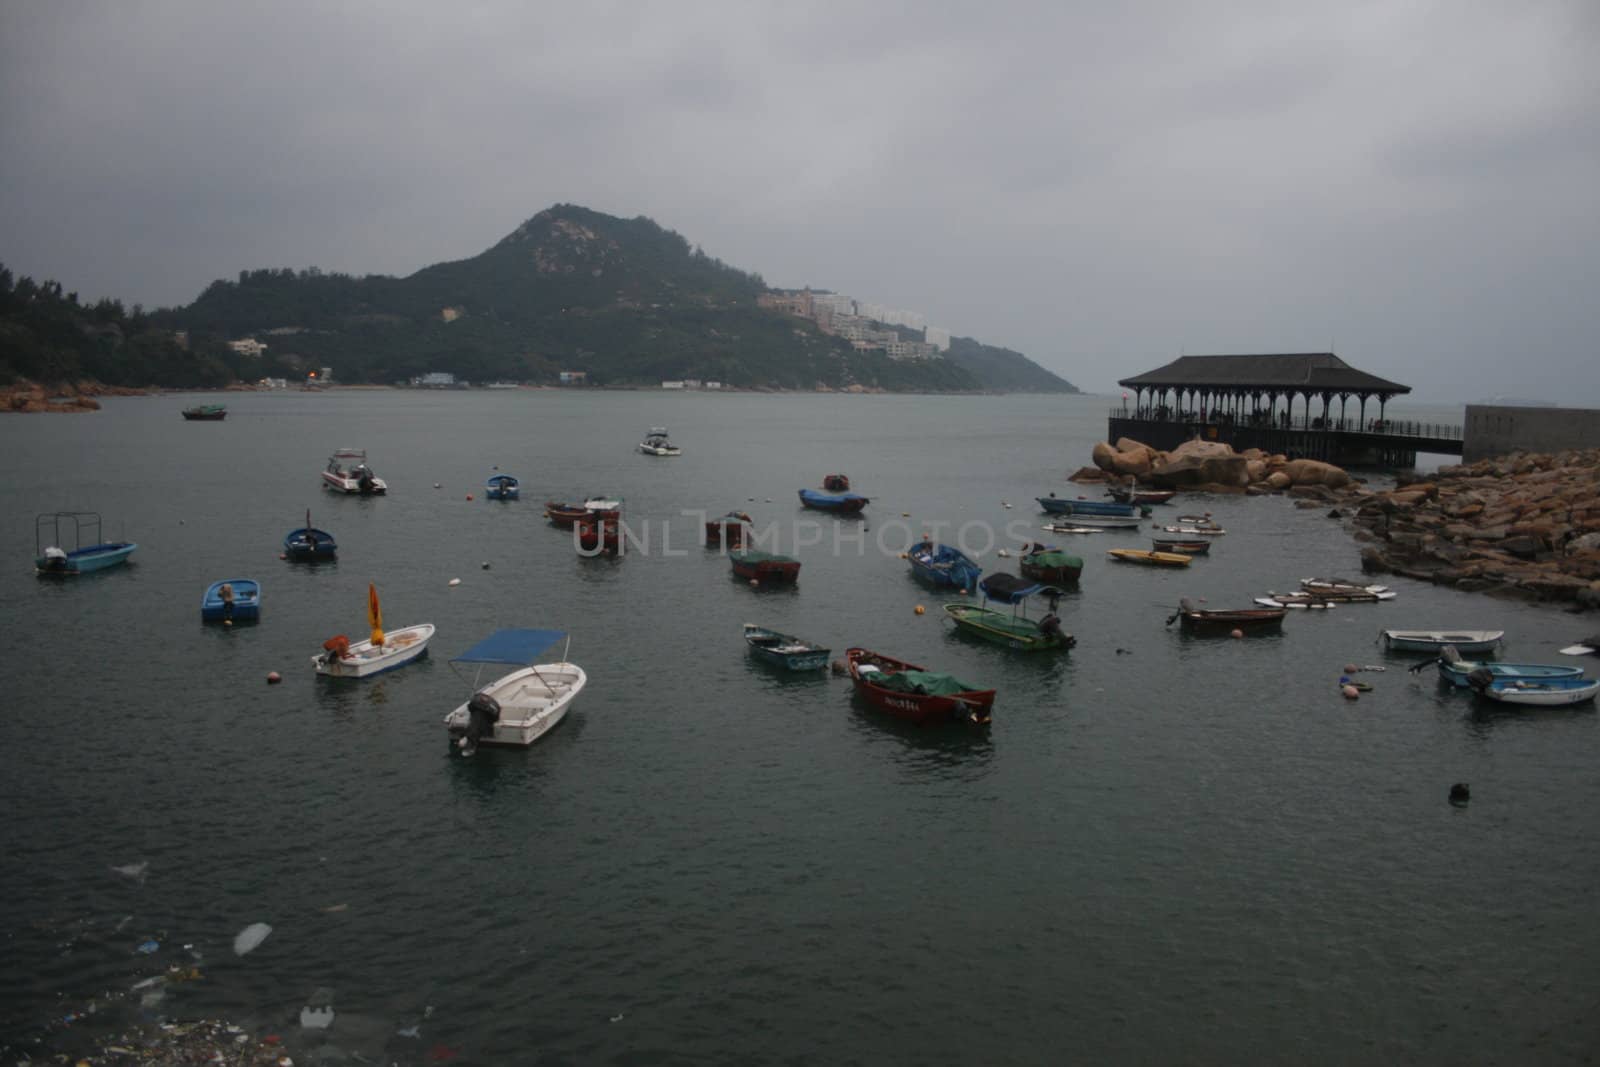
1164, 849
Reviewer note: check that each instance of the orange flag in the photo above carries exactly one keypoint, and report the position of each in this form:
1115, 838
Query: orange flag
374, 615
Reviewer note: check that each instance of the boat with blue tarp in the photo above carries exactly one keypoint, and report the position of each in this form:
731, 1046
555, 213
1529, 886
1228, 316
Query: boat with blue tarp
51, 557
839, 503
518, 708
231, 600
502, 487
1016, 630
942, 565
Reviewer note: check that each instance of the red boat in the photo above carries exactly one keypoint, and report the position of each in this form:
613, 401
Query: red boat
836, 483
728, 530
601, 532
907, 691
563, 516
764, 566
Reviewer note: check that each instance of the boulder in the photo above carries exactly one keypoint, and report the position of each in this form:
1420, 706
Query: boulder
1088, 474
1256, 466
1316, 472
1135, 464
1104, 456
1180, 471
1196, 447
1279, 480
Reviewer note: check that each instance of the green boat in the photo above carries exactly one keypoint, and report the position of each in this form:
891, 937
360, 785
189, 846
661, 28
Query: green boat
1016, 630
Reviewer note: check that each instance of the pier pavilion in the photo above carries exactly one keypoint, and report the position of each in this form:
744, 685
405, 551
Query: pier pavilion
1236, 398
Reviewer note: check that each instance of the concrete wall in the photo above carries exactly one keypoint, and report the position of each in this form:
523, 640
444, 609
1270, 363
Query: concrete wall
1494, 430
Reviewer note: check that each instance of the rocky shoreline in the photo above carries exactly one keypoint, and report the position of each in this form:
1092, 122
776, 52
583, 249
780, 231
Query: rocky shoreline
29, 397
1524, 526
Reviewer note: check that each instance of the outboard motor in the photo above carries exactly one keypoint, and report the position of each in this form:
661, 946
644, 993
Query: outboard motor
1449, 654
1480, 678
365, 481
483, 711
55, 559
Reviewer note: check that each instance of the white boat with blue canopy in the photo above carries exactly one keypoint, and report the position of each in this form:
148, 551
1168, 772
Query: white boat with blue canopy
520, 707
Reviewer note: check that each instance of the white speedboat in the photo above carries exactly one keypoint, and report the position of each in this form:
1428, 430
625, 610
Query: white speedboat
347, 472
520, 707
340, 659
655, 443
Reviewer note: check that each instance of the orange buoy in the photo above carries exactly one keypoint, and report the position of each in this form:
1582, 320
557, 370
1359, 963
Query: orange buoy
469, 496
1236, 633
920, 609
273, 677
1351, 692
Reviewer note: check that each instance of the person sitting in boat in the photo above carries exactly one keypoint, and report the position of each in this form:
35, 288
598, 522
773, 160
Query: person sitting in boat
337, 646
1050, 625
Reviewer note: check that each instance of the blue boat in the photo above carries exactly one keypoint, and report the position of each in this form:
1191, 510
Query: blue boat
942, 565
1059, 506
51, 558
232, 600
842, 503
307, 544
502, 487
783, 650
1456, 671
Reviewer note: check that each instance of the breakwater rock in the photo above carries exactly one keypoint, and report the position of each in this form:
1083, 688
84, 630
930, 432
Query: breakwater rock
1209, 465
1524, 526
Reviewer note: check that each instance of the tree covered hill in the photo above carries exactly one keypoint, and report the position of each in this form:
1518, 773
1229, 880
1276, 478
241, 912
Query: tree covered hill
571, 289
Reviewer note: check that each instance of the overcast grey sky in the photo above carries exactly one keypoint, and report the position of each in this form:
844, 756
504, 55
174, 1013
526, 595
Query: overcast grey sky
1101, 186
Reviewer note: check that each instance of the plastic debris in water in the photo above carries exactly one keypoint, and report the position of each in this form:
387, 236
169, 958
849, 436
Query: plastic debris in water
250, 937
410, 1031
135, 871
149, 947
316, 1018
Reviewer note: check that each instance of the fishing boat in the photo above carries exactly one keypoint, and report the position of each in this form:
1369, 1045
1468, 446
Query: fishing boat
598, 532
783, 650
206, 413
1140, 496
1188, 548
52, 558
1187, 531
518, 708
1455, 670
1087, 524
914, 693
502, 487
839, 503
728, 530
1435, 641
942, 565
1059, 506
835, 483
1195, 620
1016, 630
1050, 565
383, 651
347, 472
1337, 586
307, 544
1540, 693
231, 600
655, 443
764, 566
1149, 558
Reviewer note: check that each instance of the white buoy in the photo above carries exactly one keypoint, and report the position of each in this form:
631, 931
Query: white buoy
1003, 554
454, 582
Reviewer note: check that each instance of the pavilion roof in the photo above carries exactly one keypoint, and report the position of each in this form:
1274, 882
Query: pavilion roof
1310, 372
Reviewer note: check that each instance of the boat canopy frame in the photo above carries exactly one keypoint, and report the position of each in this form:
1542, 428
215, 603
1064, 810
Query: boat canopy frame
81, 520
514, 647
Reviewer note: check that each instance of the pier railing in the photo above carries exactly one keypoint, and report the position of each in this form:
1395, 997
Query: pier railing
1315, 424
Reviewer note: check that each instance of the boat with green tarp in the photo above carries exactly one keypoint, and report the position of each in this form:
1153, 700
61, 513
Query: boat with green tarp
908, 691
1050, 565
1016, 630
764, 566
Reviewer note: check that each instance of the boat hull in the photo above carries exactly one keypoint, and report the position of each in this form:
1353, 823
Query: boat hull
1149, 559
399, 648
1434, 643
944, 568
1188, 548
921, 708
533, 701
998, 628
1222, 623
1110, 508
1456, 673
205, 416
502, 489
309, 545
353, 486
246, 601
785, 651
838, 503
86, 560
1550, 693
776, 572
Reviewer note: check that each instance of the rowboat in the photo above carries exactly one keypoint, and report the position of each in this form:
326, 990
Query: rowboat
50, 558
518, 708
728, 530
563, 515
1048, 564
914, 693
1188, 548
347, 472
1434, 641
1335, 586
655, 443
1154, 559
307, 544
1086, 524
942, 565
1543, 693
764, 566
1455, 670
1016, 630
1059, 506
1186, 530
206, 413
1246, 620
1140, 496
841, 503
341, 659
783, 650
502, 487
231, 600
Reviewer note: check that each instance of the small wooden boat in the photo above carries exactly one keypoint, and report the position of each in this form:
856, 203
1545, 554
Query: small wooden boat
942, 565
231, 600
1195, 620
839, 503
1059, 506
307, 544
50, 558
518, 708
1188, 548
1336, 586
1154, 559
1542, 693
914, 693
596, 533
1434, 641
764, 566
1014, 631
782, 650
1086, 524
563, 516
341, 659
835, 483
655, 443
1456, 671
502, 487
728, 530
206, 413
1050, 565
1140, 496
347, 472
1187, 531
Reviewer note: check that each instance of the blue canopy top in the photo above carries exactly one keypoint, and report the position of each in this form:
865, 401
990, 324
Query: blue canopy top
1008, 588
520, 647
